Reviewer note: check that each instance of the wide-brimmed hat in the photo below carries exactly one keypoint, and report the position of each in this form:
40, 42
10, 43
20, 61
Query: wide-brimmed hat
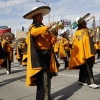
7, 34
79, 20
36, 10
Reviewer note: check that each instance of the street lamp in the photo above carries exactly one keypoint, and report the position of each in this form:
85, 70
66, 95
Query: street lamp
47, 5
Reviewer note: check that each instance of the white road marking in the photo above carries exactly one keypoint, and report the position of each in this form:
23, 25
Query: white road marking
73, 75
68, 75
15, 69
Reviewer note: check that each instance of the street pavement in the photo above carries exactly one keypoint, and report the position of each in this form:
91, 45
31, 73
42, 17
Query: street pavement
64, 86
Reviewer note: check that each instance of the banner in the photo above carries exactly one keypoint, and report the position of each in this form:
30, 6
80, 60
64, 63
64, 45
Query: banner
67, 23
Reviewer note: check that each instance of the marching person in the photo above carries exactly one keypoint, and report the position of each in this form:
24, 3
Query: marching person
0, 39
21, 48
41, 61
98, 52
8, 48
64, 43
68, 46
24, 59
2, 53
56, 48
83, 52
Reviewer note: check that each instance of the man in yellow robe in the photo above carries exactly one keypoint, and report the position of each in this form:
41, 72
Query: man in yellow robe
98, 52
56, 49
8, 48
63, 49
83, 52
2, 53
21, 50
41, 61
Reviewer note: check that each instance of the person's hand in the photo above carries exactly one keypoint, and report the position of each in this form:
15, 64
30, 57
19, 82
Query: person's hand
92, 34
50, 25
95, 30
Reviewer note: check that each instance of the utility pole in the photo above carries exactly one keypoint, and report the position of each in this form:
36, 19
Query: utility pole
53, 17
99, 21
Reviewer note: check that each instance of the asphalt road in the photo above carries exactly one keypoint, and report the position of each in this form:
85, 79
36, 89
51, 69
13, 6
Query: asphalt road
64, 86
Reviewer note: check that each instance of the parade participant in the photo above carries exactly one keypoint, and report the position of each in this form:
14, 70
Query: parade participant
83, 52
98, 52
41, 61
62, 51
68, 46
2, 53
21, 49
94, 42
96, 49
8, 48
0, 39
56, 48
24, 59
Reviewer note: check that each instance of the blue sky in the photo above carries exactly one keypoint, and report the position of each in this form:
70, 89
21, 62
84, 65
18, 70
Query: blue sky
12, 15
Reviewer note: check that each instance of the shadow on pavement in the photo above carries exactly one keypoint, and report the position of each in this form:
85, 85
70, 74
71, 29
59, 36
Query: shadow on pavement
16, 71
97, 79
66, 92
25, 97
13, 63
2, 68
2, 73
12, 80
13, 71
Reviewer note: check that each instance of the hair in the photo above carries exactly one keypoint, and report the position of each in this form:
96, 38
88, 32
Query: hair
79, 25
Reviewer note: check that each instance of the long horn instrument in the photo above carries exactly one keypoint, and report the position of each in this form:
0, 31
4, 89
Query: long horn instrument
57, 25
94, 26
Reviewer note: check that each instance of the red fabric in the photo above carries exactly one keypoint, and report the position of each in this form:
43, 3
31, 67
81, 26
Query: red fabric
2, 31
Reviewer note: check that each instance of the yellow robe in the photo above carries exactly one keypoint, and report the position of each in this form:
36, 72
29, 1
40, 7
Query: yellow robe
62, 52
24, 59
18, 52
8, 47
2, 56
98, 43
32, 67
56, 47
81, 49
96, 46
